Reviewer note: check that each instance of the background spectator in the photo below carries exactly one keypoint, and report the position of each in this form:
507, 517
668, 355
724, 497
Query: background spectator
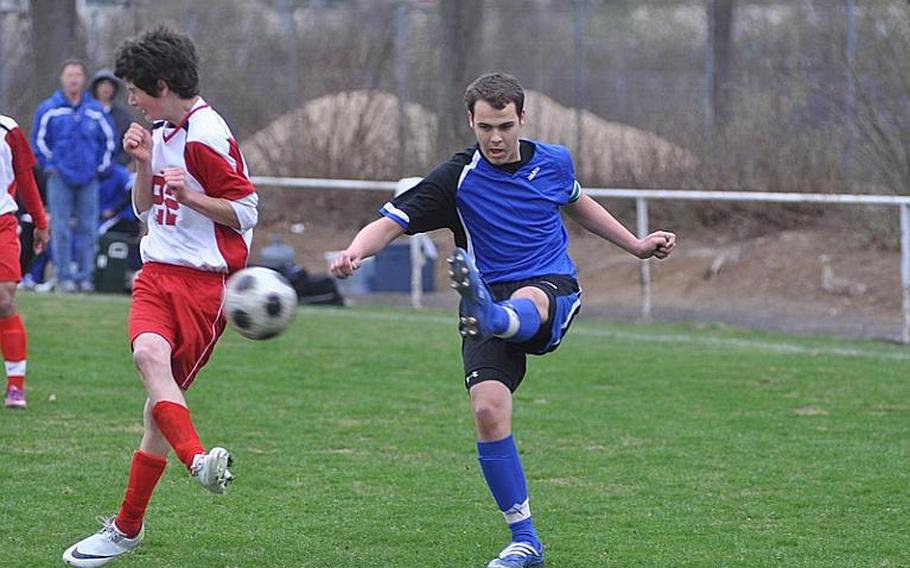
74, 143
105, 87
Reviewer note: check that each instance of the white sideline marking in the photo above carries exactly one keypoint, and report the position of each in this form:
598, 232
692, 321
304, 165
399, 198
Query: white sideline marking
718, 342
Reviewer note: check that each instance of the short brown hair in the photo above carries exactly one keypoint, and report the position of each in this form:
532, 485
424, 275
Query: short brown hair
498, 89
160, 54
73, 62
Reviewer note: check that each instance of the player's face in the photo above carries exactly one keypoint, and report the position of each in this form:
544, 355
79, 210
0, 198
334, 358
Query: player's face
72, 79
151, 107
497, 131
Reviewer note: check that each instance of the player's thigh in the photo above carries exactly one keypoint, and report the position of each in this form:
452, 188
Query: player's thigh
200, 322
10, 250
151, 310
564, 297
492, 359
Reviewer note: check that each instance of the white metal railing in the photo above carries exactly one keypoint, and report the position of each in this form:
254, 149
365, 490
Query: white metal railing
641, 197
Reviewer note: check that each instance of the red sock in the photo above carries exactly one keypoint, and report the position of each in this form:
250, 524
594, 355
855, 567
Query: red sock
12, 343
145, 471
174, 422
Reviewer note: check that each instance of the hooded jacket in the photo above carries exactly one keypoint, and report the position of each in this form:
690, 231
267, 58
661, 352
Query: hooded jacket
76, 141
120, 116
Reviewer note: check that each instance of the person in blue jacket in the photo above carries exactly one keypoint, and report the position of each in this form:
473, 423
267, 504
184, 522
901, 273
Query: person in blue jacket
74, 143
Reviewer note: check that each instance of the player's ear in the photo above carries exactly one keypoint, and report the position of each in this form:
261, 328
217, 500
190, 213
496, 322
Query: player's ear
471, 119
521, 118
163, 87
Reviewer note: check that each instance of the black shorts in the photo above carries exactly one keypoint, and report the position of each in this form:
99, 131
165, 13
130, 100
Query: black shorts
495, 359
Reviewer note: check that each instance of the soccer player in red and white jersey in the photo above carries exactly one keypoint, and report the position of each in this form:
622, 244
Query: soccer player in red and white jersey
194, 193
16, 175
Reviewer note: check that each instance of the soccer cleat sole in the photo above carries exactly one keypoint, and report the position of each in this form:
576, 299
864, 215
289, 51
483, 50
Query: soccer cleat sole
458, 272
223, 460
460, 279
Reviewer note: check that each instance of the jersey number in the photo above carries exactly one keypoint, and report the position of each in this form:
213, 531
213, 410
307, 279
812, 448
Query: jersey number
165, 204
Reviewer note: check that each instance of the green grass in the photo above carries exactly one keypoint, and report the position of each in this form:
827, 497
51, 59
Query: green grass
644, 446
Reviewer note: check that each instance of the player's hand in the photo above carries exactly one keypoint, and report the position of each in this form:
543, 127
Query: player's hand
175, 181
344, 265
137, 141
658, 244
40, 239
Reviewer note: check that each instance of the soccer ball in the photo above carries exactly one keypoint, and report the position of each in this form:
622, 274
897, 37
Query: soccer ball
259, 302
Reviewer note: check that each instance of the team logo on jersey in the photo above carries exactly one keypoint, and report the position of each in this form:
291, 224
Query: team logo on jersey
534, 173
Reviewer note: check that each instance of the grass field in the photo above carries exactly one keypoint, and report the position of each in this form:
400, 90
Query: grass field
644, 446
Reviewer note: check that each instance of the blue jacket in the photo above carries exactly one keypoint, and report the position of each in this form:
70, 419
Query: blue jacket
114, 193
77, 141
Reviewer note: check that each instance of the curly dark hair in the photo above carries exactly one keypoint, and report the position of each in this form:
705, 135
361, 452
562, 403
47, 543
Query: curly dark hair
498, 89
160, 54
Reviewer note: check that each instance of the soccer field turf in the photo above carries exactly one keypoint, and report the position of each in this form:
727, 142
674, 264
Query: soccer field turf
643, 445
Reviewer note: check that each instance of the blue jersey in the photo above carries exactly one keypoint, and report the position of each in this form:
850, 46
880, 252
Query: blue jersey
506, 216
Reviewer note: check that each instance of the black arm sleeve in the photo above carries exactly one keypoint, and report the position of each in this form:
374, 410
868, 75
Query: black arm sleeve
430, 204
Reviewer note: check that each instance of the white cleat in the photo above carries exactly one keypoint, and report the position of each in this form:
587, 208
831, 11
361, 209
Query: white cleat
102, 547
211, 470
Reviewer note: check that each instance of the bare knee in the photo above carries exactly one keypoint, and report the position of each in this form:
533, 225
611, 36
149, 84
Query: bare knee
492, 406
540, 299
146, 356
487, 413
7, 307
7, 299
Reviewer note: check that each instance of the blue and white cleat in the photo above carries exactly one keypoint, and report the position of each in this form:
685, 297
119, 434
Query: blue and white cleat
477, 304
518, 555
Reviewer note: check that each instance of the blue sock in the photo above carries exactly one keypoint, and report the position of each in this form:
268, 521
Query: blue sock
499, 318
528, 320
506, 480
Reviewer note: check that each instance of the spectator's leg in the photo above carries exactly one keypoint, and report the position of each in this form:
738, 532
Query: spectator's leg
60, 202
87, 212
39, 266
27, 246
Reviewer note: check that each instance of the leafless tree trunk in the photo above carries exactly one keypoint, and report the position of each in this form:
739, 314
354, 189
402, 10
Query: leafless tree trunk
55, 37
460, 28
720, 16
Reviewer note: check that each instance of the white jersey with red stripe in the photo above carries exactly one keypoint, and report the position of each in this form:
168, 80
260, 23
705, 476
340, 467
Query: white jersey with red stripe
203, 146
8, 152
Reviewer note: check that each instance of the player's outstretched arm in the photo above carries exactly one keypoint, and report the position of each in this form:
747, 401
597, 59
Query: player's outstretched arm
595, 218
370, 240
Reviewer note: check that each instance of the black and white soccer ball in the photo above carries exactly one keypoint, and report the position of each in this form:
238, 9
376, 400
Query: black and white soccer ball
259, 302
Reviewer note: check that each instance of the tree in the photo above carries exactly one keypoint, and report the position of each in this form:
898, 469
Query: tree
460, 26
56, 36
720, 46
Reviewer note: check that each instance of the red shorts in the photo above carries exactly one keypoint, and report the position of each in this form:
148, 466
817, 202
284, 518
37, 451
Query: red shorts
10, 249
184, 306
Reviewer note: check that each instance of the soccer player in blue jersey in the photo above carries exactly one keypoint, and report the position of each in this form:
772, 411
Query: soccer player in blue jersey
502, 198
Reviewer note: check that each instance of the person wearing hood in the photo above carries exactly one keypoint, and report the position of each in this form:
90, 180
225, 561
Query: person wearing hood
105, 87
75, 143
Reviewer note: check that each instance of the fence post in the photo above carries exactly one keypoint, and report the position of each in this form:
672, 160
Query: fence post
905, 270
641, 214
